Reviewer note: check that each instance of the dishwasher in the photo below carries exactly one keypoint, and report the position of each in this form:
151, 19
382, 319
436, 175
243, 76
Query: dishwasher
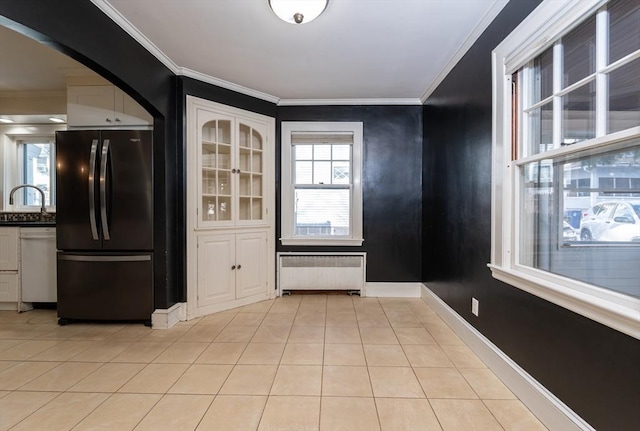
38, 264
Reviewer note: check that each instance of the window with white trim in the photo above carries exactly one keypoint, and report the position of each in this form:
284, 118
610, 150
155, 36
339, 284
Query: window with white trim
566, 191
36, 166
321, 183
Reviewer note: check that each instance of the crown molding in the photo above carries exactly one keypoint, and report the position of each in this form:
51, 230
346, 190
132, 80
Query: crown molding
226, 84
318, 102
124, 23
468, 43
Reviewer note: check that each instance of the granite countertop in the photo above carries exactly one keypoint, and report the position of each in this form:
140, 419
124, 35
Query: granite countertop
27, 219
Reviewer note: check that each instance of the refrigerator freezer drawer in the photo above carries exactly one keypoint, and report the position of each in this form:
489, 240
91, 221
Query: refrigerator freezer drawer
105, 287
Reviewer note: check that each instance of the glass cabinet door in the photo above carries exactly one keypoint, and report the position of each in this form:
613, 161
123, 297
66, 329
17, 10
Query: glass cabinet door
216, 171
251, 141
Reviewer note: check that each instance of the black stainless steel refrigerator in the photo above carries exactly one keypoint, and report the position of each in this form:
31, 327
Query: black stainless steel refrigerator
104, 221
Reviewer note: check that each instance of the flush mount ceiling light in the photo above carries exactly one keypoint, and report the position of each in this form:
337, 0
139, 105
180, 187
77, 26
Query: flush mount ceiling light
298, 11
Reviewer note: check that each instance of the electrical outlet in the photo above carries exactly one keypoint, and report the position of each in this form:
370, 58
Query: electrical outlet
475, 304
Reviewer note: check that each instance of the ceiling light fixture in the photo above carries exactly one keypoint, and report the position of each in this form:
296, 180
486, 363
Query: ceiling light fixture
298, 11
5, 120
56, 120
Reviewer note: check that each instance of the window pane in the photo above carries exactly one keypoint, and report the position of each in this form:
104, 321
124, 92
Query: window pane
304, 173
579, 114
321, 172
37, 171
322, 212
342, 152
303, 152
543, 76
624, 28
624, 97
322, 152
341, 173
579, 52
590, 236
541, 129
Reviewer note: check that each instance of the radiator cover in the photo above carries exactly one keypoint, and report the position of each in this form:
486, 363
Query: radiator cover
326, 271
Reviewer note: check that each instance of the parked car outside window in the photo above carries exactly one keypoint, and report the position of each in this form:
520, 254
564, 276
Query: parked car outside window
611, 222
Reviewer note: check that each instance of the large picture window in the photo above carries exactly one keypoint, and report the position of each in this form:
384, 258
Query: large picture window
321, 183
567, 158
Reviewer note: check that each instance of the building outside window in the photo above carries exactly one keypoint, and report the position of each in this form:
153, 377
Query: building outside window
321, 183
567, 158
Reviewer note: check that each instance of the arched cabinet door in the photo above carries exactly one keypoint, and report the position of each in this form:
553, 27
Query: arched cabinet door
216, 185
250, 172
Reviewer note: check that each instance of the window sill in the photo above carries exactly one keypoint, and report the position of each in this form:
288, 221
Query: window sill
322, 241
615, 310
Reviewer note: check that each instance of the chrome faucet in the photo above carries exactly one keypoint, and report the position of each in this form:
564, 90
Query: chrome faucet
43, 210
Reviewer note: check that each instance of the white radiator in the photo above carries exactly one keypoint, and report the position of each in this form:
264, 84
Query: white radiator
321, 271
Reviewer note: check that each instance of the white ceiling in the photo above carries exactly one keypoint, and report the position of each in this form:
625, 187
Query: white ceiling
357, 51
377, 51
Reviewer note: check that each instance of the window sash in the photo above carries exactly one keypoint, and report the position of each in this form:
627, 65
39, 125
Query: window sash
321, 133
550, 21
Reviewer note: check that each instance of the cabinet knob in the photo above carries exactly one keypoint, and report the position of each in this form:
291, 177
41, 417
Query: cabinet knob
233, 267
239, 266
233, 171
108, 120
238, 170
117, 120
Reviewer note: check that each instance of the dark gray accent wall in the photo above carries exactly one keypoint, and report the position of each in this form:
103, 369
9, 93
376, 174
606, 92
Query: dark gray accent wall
590, 367
392, 194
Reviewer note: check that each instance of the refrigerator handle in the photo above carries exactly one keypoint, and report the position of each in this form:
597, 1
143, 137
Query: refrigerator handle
92, 189
103, 190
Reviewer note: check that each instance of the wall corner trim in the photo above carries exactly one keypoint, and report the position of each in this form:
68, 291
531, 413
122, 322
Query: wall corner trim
165, 318
552, 412
392, 290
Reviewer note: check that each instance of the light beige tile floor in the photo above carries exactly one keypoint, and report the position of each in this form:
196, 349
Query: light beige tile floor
301, 362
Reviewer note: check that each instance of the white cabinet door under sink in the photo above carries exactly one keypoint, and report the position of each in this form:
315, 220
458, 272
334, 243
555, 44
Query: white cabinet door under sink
9, 276
9, 248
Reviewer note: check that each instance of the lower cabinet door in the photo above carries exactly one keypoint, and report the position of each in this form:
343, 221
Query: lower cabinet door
216, 278
9, 287
251, 265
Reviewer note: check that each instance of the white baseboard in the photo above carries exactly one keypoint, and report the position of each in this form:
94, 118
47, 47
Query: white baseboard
552, 412
166, 318
392, 290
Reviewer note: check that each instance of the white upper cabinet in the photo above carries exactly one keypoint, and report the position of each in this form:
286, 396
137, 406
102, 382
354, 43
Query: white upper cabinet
103, 106
231, 152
